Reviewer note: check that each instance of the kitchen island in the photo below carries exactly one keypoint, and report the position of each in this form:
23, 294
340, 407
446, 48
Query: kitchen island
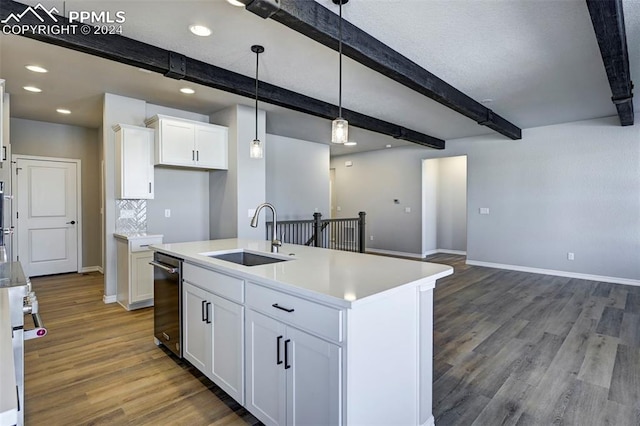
320, 336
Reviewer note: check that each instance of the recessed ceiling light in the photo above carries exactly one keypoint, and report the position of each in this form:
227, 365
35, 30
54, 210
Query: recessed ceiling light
145, 71
36, 68
350, 143
200, 30
486, 101
187, 90
63, 111
235, 3
32, 89
389, 146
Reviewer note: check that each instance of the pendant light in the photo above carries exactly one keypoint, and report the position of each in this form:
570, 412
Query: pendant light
256, 146
340, 126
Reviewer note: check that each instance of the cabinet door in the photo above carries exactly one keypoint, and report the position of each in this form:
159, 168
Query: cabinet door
266, 392
137, 163
211, 146
313, 380
141, 276
227, 347
196, 330
176, 142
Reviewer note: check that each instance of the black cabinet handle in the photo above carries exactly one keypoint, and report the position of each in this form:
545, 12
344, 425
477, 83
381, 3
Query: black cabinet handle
286, 354
275, 305
207, 309
279, 361
204, 318
193, 155
149, 187
197, 155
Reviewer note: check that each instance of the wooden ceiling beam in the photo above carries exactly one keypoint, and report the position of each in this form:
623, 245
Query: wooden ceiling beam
142, 55
607, 18
320, 24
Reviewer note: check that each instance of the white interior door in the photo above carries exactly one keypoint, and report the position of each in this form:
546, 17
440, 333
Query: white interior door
47, 216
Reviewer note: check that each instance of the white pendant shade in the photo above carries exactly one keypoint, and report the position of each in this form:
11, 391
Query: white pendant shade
340, 130
256, 149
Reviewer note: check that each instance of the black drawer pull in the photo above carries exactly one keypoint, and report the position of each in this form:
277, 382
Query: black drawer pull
279, 361
208, 310
286, 354
275, 305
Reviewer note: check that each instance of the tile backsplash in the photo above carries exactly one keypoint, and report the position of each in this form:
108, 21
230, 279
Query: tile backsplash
131, 216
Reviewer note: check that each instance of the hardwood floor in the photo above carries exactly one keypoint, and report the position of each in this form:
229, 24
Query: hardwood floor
514, 348
99, 365
510, 348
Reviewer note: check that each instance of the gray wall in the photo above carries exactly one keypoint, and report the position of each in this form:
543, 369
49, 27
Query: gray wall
452, 204
241, 188
297, 177
183, 191
573, 187
63, 141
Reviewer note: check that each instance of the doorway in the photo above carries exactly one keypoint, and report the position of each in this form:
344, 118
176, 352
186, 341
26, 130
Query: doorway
444, 205
48, 209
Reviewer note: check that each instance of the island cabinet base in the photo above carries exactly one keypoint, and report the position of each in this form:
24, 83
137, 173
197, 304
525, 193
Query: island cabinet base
389, 359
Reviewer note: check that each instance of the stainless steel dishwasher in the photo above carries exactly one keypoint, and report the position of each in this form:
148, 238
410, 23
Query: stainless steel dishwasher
167, 294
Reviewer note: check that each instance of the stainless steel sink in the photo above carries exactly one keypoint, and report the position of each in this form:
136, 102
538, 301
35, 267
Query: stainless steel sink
246, 258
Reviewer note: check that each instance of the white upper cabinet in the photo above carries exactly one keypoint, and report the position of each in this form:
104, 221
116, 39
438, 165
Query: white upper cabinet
187, 143
134, 162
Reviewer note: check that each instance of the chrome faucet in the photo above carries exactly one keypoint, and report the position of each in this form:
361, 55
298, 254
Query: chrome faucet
275, 242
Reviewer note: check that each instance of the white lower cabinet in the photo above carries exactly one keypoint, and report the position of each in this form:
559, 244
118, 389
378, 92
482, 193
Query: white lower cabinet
293, 378
212, 338
135, 274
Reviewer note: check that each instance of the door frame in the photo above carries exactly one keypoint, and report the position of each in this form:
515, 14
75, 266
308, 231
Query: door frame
14, 191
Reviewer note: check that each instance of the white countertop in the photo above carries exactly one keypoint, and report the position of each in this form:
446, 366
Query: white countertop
8, 396
337, 277
135, 236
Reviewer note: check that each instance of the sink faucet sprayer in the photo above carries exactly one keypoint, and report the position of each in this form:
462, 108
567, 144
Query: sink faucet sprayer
275, 243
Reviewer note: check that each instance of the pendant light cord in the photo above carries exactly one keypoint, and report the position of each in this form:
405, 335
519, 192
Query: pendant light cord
257, 64
340, 63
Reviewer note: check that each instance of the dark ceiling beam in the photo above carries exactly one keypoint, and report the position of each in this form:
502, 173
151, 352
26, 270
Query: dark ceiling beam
142, 55
608, 23
320, 24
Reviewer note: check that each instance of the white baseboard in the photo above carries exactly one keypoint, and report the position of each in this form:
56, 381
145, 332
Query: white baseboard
394, 253
88, 269
446, 251
601, 278
109, 299
430, 421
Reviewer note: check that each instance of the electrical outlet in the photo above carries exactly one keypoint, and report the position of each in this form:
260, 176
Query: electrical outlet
127, 214
371, 238
571, 256
484, 210
339, 208
167, 212
407, 209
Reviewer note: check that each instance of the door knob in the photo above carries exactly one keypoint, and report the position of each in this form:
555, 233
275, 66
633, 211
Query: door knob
73, 222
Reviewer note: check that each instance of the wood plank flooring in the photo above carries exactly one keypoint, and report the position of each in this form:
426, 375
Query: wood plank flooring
511, 348
99, 365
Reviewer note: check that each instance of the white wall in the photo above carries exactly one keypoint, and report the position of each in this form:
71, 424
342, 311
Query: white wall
568, 187
297, 177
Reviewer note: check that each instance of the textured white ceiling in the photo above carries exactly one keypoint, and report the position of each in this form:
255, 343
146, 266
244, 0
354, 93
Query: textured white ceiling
537, 60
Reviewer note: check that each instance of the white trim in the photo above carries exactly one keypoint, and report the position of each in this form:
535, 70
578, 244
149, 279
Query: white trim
109, 299
100, 269
446, 251
394, 253
14, 192
600, 278
87, 269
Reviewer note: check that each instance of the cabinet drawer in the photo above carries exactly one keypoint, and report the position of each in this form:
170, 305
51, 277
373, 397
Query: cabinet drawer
224, 285
143, 243
311, 316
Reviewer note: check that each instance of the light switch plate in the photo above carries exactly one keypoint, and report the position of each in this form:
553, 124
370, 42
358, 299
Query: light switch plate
407, 209
167, 212
127, 214
484, 210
